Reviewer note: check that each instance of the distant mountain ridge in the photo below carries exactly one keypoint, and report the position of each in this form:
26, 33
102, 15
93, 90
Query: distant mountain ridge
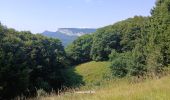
76, 31
68, 35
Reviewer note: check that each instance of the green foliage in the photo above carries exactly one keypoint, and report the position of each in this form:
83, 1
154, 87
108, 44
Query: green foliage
29, 62
104, 40
121, 36
136, 47
79, 50
133, 30
161, 15
128, 63
159, 37
138, 61
120, 63
150, 48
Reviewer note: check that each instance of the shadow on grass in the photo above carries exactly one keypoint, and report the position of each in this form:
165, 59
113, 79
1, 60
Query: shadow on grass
73, 79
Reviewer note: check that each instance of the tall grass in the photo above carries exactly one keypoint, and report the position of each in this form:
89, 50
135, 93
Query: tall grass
95, 73
155, 89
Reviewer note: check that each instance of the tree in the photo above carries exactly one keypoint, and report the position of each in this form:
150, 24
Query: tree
104, 40
121, 36
120, 63
79, 50
159, 35
29, 62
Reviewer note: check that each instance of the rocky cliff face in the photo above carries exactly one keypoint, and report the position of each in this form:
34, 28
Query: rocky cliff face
68, 35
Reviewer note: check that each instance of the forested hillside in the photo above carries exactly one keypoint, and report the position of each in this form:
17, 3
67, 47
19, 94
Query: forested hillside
136, 47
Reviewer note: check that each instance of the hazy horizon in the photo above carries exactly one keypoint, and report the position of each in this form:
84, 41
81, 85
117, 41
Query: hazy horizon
40, 15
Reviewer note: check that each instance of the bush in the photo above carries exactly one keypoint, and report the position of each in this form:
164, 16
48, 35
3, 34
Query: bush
120, 63
79, 50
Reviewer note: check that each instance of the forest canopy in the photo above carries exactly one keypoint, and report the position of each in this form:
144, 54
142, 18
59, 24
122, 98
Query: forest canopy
136, 46
29, 62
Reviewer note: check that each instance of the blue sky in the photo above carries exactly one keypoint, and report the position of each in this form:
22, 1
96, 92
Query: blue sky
39, 15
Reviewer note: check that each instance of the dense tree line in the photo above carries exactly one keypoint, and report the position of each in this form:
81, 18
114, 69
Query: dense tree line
29, 62
136, 46
121, 37
79, 50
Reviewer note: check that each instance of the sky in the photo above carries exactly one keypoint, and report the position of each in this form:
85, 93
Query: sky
40, 15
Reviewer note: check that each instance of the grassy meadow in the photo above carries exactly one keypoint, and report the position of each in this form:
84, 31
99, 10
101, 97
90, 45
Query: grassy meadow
94, 74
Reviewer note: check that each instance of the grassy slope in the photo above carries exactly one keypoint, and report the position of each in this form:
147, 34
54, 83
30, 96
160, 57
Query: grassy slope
93, 72
90, 74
